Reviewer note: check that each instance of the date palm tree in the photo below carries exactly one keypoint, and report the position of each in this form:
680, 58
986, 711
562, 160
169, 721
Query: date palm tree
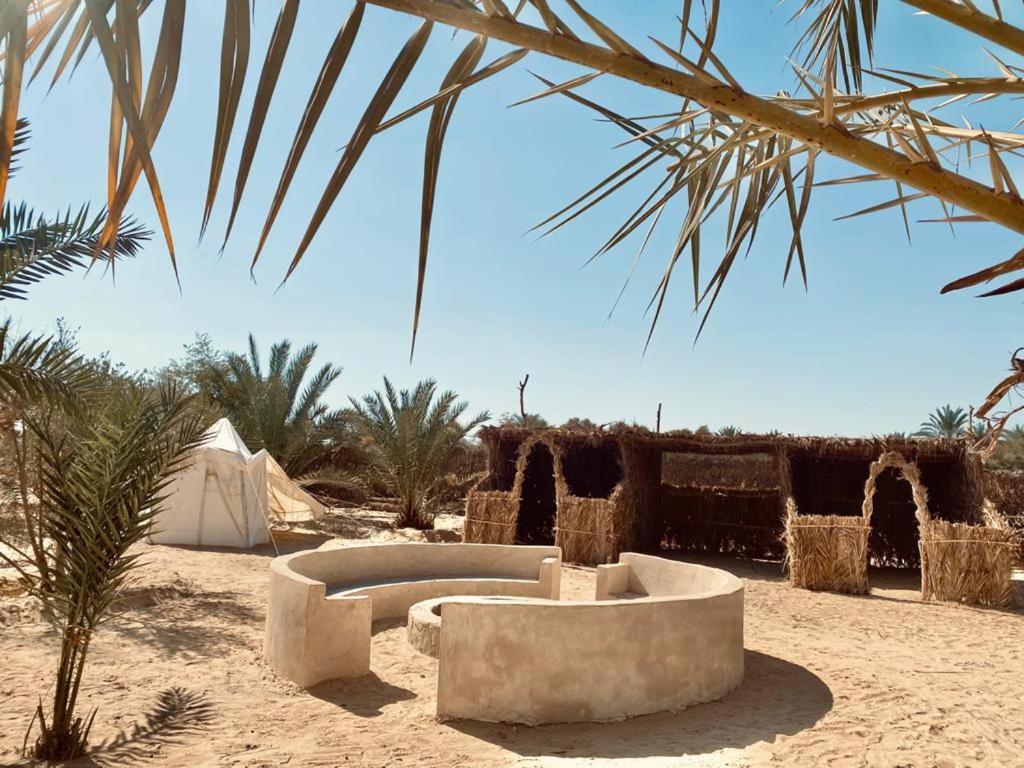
946, 421
414, 441
722, 149
37, 374
280, 406
103, 475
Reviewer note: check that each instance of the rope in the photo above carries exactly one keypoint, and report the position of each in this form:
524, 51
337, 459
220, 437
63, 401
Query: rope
585, 533
77, 635
968, 541
564, 530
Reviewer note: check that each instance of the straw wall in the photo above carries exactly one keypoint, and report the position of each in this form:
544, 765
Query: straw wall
492, 507
968, 563
1005, 490
491, 517
585, 530
729, 521
827, 552
638, 513
830, 552
723, 503
585, 527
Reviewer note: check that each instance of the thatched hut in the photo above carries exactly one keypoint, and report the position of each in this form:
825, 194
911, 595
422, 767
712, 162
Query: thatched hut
595, 493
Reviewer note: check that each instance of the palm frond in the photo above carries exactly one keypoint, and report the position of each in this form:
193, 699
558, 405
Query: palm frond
34, 247
725, 148
40, 368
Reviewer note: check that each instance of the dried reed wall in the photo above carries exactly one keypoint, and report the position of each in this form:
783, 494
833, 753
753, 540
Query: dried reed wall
723, 503
492, 506
960, 562
827, 552
1005, 490
830, 552
586, 527
968, 563
490, 517
831, 485
637, 499
828, 510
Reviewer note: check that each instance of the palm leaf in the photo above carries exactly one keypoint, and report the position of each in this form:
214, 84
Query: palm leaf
33, 247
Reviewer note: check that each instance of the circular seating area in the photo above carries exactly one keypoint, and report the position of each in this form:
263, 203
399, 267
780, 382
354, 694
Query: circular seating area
659, 635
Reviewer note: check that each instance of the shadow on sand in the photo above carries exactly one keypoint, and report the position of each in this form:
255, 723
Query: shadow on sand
362, 696
183, 627
776, 698
176, 714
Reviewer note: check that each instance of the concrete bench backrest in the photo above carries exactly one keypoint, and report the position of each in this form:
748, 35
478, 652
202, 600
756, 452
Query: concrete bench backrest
551, 662
657, 577
368, 563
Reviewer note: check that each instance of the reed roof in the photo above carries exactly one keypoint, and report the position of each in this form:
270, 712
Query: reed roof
685, 441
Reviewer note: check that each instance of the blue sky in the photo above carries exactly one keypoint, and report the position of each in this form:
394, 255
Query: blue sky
871, 348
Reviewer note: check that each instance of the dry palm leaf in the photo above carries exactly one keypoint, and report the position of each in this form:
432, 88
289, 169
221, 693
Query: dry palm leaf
728, 155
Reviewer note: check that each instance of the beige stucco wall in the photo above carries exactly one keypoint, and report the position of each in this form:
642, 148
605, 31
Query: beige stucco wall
323, 602
532, 663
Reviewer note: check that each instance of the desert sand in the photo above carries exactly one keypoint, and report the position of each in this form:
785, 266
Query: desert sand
884, 680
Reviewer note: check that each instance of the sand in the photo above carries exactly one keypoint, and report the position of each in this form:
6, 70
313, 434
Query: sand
883, 680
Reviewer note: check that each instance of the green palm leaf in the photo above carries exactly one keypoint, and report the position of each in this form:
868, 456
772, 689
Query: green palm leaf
36, 367
33, 247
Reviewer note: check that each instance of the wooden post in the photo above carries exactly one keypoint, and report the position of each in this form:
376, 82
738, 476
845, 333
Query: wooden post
522, 403
657, 427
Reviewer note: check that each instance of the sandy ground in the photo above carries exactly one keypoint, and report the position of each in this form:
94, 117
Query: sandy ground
884, 680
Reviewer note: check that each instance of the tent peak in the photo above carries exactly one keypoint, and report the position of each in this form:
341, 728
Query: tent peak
223, 436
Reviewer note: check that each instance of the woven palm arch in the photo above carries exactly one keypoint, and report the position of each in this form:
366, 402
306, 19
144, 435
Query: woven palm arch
831, 552
583, 526
741, 495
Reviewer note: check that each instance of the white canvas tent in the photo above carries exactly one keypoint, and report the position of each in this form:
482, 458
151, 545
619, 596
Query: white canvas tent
227, 497
213, 502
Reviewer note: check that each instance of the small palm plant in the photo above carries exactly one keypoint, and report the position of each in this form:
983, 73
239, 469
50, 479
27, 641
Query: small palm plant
729, 431
414, 440
102, 478
37, 373
946, 421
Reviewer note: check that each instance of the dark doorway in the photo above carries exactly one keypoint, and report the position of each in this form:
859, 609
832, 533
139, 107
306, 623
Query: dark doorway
537, 508
894, 529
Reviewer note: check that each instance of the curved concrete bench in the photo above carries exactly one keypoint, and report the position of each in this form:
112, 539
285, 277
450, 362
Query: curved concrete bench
661, 635
323, 602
